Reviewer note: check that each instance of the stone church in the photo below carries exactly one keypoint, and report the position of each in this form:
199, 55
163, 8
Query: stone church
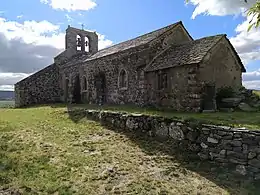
163, 68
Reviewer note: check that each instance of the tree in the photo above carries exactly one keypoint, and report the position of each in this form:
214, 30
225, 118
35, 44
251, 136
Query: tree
254, 13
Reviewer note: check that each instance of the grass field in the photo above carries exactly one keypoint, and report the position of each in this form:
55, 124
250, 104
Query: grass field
42, 151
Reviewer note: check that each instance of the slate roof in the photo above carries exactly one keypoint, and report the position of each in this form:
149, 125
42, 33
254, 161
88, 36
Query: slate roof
187, 53
143, 39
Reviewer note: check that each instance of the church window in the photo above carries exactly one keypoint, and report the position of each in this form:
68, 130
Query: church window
162, 80
84, 83
122, 80
79, 44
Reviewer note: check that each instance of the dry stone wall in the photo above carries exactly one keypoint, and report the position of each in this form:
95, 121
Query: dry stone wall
238, 147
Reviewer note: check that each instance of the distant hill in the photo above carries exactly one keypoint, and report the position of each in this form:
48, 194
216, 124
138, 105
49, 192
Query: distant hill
6, 95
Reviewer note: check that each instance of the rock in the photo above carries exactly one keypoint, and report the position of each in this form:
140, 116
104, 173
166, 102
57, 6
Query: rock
175, 132
131, 123
234, 154
162, 130
237, 161
203, 156
253, 169
231, 102
236, 143
241, 169
208, 111
237, 149
245, 107
222, 153
254, 163
226, 109
204, 146
212, 140
192, 135
251, 155
257, 176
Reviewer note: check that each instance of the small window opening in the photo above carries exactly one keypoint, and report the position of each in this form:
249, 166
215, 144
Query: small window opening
78, 43
162, 80
123, 79
86, 44
85, 83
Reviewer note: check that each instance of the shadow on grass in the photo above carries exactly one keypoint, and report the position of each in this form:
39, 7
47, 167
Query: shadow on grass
221, 174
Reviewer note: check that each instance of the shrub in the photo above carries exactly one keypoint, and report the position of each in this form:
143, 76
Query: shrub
224, 92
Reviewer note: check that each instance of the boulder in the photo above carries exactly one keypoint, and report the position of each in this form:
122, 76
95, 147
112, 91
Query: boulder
245, 107
231, 102
226, 109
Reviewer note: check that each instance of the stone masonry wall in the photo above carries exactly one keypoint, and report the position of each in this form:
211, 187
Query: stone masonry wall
225, 145
183, 90
39, 88
133, 61
223, 69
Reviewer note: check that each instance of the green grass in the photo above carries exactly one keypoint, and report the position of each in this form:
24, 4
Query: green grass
257, 92
42, 151
236, 119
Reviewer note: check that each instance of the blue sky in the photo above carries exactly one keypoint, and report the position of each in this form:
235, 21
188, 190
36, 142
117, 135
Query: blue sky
115, 21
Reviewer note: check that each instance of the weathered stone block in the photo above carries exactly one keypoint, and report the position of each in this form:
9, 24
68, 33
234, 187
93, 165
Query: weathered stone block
251, 155
175, 132
234, 154
192, 135
254, 162
203, 156
131, 123
204, 146
212, 140
162, 130
241, 169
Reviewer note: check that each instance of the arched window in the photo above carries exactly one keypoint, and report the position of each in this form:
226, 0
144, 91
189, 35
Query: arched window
87, 41
79, 43
84, 83
122, 80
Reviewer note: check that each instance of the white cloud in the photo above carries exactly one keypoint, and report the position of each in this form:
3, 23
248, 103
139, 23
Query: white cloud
38, 33
69, 19
252, 84
71, 5
247, 43
6, 87
103, 42
11, 78
19, 17
220, 7
28, 47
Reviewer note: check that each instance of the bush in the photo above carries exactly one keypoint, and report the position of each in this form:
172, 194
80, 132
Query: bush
224, 92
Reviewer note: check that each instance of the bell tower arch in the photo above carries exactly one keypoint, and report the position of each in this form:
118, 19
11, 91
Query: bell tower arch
81, 40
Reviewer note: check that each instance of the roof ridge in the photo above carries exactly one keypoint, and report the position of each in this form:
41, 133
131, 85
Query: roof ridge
173, 24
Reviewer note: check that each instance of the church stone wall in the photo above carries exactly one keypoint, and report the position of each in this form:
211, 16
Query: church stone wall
183, 91
39, 88
133, 62
220, 67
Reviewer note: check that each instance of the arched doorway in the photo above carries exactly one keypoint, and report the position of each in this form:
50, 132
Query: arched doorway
100, 84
